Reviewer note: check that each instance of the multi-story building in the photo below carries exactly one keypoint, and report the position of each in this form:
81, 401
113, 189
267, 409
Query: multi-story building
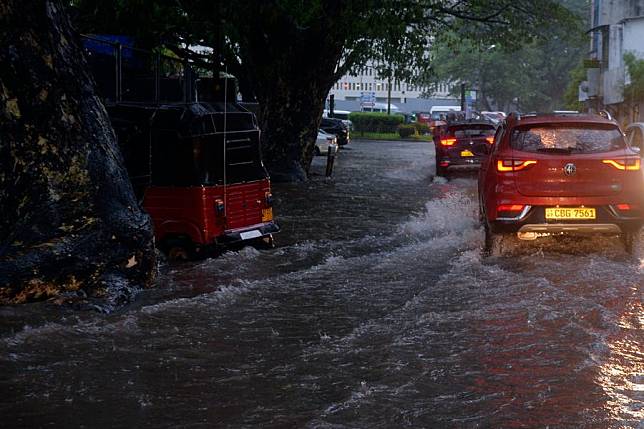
617, 29
348, 92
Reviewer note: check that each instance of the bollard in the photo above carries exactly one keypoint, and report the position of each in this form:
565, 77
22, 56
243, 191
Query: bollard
330, 158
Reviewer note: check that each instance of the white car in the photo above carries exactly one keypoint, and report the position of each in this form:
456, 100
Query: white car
324, 141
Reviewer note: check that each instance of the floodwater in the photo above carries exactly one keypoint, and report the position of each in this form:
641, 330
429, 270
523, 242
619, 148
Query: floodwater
377, 310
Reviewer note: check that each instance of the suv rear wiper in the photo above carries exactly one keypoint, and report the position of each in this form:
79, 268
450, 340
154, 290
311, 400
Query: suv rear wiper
564, 150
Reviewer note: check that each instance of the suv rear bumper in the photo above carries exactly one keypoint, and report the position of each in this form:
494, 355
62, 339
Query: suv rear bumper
460, 162
576, 228
607, 221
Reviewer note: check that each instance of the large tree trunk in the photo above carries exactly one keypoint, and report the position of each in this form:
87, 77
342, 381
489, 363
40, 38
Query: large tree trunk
290, 117
70, 225
293, 68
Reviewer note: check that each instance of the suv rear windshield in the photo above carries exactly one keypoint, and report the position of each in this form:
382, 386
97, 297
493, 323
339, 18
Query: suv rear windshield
567, 138
478, 130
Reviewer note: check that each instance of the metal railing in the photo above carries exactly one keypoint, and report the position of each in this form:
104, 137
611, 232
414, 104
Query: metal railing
127, 74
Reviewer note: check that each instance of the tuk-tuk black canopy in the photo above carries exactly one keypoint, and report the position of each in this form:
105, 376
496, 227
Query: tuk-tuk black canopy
191, 144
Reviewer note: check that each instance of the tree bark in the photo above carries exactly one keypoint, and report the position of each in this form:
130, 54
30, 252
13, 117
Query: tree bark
293, 69
70, 224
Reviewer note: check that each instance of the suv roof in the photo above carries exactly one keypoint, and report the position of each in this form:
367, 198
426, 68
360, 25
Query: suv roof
475, 122
539, 118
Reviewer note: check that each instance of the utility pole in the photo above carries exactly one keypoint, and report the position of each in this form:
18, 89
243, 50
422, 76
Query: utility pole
389, 93
462, 97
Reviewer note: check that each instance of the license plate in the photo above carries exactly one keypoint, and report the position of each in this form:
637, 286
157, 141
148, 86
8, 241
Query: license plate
466, 153
267, 214
247, 235
570, 213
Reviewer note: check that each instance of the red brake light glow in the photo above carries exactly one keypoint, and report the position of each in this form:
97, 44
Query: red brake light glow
628, 164
448, 141
510, 208
505, 165
623, 207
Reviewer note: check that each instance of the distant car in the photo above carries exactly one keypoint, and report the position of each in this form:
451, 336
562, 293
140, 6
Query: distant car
494, 117
343, 115
337, 127
423, 117
440, 115
463, 143
324, 141
561, 174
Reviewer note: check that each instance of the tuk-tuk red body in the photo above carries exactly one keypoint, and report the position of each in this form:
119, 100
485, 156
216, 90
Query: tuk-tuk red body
198, 171
179, 212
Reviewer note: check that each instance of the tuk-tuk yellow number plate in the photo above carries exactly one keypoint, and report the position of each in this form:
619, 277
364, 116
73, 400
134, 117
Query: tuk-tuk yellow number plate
466, 153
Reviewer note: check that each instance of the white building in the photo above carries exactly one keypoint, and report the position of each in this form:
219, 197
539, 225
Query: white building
406, 96
617, 28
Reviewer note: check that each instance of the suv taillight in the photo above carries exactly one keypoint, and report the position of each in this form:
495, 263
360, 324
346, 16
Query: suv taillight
509, 210
628, 164
448, 141
505, 165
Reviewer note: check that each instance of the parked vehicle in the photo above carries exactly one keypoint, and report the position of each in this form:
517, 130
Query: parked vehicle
324, 141
338, 128
343, 115
558, 175
380, 107
203, 188
196, 167
462, 144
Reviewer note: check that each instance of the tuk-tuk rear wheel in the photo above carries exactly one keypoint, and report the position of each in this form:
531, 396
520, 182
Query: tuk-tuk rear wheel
263, 243
178, 249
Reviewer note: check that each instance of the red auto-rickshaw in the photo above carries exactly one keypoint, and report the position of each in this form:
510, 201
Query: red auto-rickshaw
192, 152
203, 187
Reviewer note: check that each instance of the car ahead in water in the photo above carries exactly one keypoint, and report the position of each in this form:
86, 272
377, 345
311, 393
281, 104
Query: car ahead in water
324, 141
565, 174
462, 143
337, 127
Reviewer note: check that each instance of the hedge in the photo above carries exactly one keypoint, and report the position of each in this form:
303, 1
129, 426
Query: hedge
375, 122
405, 131
421, 128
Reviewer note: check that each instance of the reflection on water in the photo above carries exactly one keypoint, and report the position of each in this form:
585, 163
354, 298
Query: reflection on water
622, 374
376, 310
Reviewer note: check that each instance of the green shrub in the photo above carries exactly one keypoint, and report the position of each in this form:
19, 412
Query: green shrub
406, 130
375, 122
421, 128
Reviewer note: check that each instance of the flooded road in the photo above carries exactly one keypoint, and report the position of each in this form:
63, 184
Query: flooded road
377, 310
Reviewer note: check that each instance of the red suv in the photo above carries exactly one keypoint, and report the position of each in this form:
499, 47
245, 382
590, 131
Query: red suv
560, 174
